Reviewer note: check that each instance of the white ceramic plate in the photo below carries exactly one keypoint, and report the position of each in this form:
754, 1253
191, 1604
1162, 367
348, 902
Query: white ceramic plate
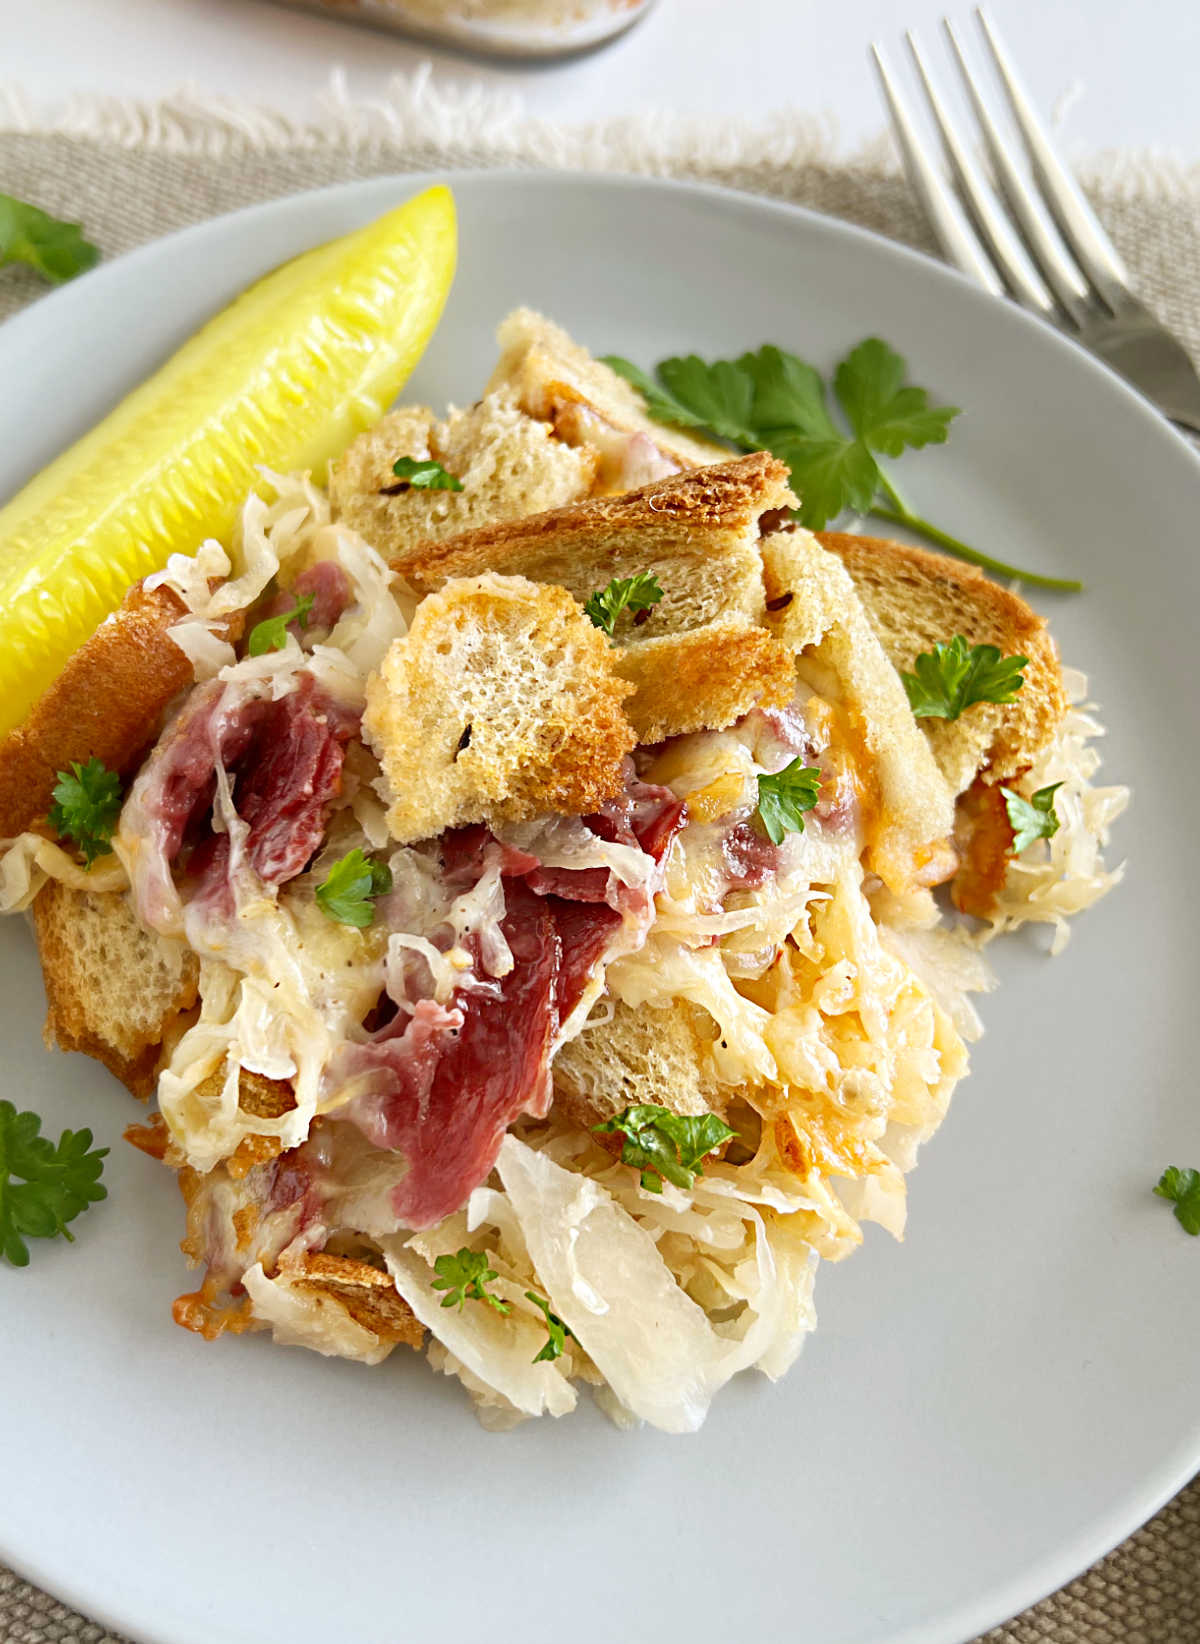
983, 1411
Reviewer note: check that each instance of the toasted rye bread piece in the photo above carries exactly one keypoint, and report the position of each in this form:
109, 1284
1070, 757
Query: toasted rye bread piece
698, 658
502, 701
698, 532
368, 1295
510, 465
705, 679
264, 1098
320, 1282
106, 704
641, 1054
112, 986
261, 1098
984, 837
812, 609
916, 598
231, 1226
257, 1095
554, 378
117, 992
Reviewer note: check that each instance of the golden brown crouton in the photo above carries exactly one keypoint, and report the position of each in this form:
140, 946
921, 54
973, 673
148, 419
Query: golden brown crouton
503, 701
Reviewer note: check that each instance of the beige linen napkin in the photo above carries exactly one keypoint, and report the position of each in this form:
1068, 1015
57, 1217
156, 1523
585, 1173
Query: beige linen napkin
134, 172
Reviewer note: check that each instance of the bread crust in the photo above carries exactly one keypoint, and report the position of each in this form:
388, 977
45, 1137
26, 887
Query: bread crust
368, 1295
509, 465
112, 987
549, 371
106, 704
915, 598
640, 1054
363, 1292
223, 1206
501, 701
907, 807
705, 679
728, 497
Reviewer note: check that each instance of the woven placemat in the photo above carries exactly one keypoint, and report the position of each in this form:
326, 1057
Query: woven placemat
135, 172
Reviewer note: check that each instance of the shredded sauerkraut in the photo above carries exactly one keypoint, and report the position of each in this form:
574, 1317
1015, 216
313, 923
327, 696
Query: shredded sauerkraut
286, 535
832, 1026
1057, 878
29, 860
842, 1058
847, 1062
665, 1296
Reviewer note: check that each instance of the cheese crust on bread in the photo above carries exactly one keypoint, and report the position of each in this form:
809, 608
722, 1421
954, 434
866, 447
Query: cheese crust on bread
916, 598
1044, 737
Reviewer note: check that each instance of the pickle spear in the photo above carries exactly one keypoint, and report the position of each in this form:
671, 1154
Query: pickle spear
285, 376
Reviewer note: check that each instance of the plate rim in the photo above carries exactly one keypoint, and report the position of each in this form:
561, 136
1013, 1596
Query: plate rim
628, 182
1057, 1568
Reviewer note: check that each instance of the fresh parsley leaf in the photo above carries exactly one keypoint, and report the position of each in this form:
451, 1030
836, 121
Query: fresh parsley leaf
831, 472
770, 400
663, 407
271, 633
55, 249
952, 676
1182, 1186
637, 593
789, 394
464, 1276
829, 475
784, 797
87, 804
886, 413
350, 886
43, 1185
558, 1330
423, 474
666, 1145
1031, 819
720, 396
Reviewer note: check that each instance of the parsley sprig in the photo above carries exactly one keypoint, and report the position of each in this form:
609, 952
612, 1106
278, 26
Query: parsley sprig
271, 633
559, 1331
87, 806
636, 593
350, 886
772, 400
1182, 1187
465, 1276
784, 796
422, 474
56, 250
664, 1145
954, 675
1033, 818
43, 1185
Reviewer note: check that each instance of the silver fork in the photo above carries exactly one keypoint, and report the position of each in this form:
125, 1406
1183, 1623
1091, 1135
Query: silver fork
1073, 278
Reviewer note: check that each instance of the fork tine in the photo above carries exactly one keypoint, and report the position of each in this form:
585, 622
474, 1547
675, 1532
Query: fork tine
1076, 221
1007, 252
941, 208
1056, 269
